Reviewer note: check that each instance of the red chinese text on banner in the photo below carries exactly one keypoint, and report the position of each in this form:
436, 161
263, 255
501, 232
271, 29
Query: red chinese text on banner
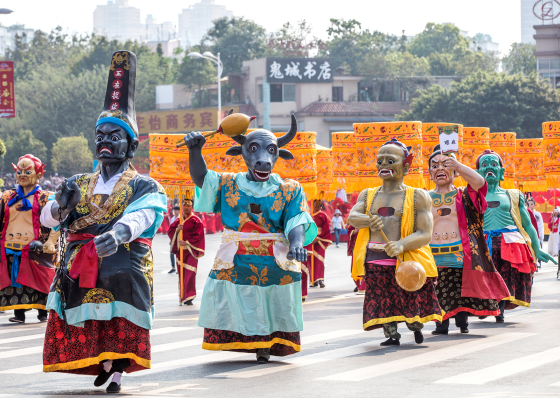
7, 94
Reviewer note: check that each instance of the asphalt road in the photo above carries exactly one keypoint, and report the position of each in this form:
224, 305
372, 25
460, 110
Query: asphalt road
520, 358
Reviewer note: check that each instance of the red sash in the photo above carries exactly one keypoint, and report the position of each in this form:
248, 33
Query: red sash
86, 264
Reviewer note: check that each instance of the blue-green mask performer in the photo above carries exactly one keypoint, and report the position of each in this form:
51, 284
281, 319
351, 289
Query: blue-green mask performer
511, 238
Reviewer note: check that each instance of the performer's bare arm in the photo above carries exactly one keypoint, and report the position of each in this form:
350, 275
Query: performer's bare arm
424, 226
475, 180
358, 217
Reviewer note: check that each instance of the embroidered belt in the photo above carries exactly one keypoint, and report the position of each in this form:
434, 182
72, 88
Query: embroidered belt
256, 243
447, 250
14, 245
86, 262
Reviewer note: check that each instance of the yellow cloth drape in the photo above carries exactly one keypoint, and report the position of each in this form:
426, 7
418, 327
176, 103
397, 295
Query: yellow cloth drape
344, 161
504, 145
430, 138
170, 165
370, 137
529, 156
514, 195
303, 167
324, 173
423, 255
551, 145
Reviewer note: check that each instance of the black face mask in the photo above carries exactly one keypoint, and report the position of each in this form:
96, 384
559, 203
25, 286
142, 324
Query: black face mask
111, 143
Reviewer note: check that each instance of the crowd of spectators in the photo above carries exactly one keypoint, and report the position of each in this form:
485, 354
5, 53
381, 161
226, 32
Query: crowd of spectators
48, 182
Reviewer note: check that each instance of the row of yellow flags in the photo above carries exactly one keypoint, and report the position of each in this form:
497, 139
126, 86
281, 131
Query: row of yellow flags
531, 164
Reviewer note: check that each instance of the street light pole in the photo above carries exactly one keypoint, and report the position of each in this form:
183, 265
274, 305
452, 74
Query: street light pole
208, 55
219, 91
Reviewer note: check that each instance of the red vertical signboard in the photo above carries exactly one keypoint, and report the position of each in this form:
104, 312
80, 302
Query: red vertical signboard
7, 94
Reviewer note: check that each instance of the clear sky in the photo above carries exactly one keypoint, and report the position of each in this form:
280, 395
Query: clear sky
498, 18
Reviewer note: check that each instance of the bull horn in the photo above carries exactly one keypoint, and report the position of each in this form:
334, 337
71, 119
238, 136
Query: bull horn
240, 139
286, 138
230, 111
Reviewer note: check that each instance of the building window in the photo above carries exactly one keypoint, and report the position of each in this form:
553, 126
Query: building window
275, 93
279, 93
289, 92
337, 94
543, 64
555, 64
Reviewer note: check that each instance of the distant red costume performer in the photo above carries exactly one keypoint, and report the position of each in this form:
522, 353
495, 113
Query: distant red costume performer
352, 235
193, 249
28, 250
316, 265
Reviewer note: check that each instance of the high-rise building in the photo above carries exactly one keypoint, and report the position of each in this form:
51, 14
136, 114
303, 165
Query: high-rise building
8, 36
155, 31
537, 12
117, 20
196, 20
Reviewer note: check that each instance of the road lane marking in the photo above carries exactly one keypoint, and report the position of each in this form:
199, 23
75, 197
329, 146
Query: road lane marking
483, 376
39, 349
229, 355
167, 389
431, 357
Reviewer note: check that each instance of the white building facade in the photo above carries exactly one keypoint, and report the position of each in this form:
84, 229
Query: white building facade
196, 20
117, 20
8, 36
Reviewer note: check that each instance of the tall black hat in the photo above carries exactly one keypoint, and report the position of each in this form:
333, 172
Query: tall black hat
119, 98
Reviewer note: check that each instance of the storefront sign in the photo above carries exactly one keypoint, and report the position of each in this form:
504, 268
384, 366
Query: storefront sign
7, 94
299, 70
180, 120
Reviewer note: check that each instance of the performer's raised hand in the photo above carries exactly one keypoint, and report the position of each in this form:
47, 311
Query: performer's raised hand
452, 164
194, 140
108, 243
375, 223
394, 249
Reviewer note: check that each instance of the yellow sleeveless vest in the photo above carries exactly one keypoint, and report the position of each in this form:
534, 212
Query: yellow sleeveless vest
422, 255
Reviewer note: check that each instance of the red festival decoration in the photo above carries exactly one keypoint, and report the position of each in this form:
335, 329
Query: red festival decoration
7, 94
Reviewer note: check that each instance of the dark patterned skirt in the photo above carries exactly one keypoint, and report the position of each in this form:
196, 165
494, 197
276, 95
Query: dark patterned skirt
22, 298
448, 290
385, 301
518, 283
280, 343
96, 342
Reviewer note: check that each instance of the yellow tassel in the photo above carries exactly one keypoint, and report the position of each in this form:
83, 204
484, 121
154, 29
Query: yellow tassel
179, 191
310, 189
552, 181
365, 182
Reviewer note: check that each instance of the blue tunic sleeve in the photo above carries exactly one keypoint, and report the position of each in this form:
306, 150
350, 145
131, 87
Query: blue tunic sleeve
297, 213
206, 198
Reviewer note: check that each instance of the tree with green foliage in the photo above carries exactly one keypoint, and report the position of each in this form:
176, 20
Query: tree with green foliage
348, 45
292, 40
437, 38
520, 59
496, 100
71, 155
236, 39
392, 68
197, 73
23, 143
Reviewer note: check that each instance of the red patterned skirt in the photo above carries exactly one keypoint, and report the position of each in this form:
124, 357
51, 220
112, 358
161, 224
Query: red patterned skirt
95, 342
385, 301
280, 343
518, 283
448, 290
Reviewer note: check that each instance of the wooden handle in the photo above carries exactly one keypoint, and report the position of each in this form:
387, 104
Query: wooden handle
205, 135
